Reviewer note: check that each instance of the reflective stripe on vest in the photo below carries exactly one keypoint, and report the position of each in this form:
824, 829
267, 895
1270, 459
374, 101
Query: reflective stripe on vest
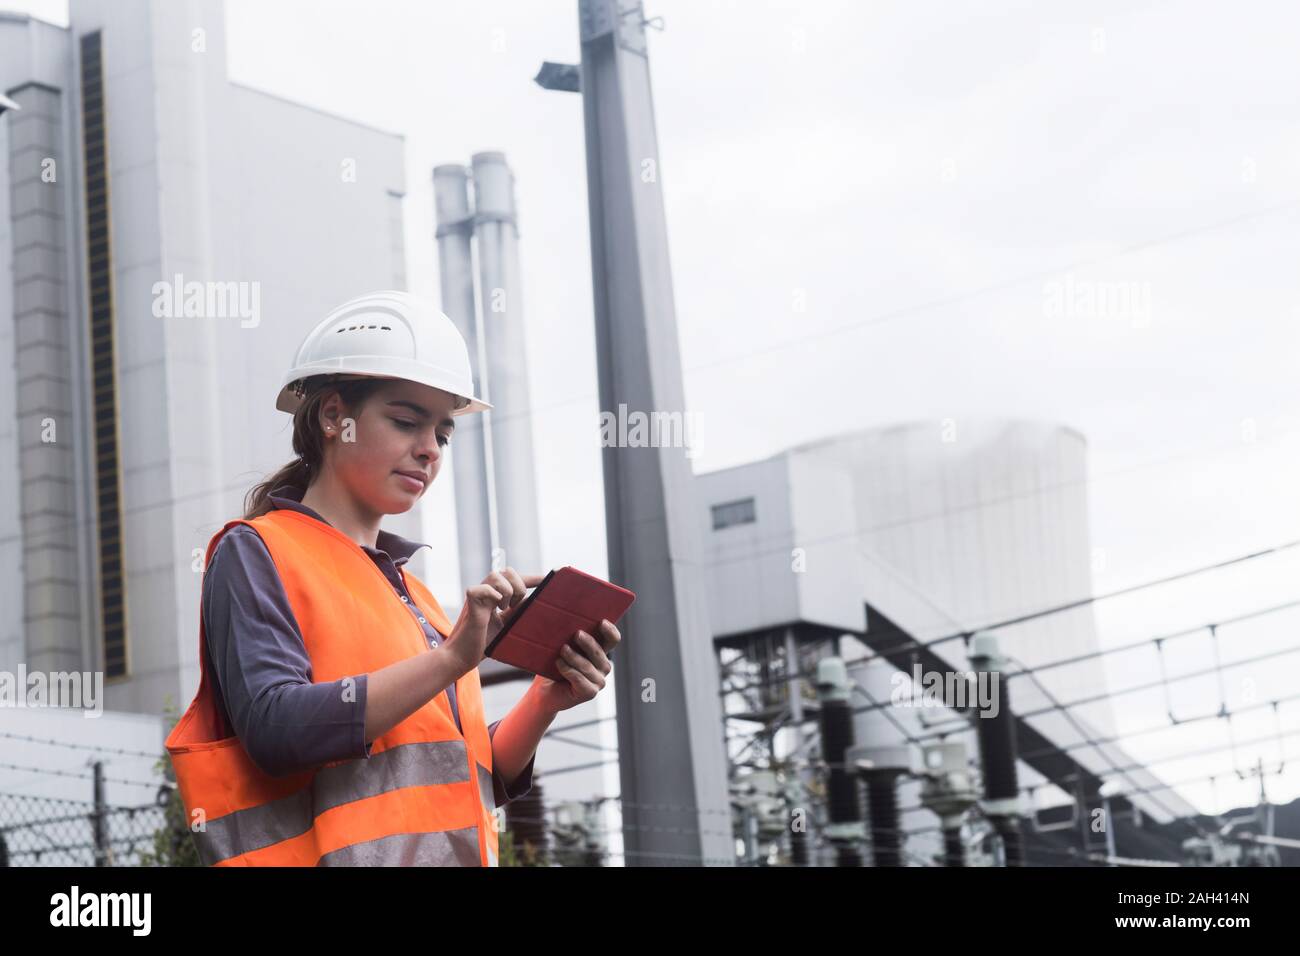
423, 797
410, 765
449, 848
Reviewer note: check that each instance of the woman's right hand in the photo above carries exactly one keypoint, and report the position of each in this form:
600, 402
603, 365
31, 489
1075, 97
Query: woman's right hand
488, 606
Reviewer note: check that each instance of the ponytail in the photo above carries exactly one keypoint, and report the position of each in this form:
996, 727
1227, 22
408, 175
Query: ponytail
256, 502
308, 440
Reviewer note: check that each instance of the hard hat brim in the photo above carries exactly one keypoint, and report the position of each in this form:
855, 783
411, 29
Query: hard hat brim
289, 398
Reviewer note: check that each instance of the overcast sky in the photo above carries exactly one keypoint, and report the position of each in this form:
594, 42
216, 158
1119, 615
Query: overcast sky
926, 178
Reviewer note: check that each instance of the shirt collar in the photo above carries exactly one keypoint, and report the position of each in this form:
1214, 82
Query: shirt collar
395, 546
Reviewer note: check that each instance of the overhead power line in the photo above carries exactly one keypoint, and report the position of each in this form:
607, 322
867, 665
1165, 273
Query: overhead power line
965, 634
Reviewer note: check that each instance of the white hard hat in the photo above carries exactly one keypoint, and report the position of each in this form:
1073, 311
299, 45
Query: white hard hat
385, 334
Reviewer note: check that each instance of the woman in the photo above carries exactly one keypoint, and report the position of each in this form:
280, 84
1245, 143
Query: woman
339, 717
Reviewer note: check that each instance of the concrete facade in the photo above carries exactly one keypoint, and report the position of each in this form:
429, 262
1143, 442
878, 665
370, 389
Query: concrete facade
207, 180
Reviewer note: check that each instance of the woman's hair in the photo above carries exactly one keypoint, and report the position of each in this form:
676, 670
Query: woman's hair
308, 441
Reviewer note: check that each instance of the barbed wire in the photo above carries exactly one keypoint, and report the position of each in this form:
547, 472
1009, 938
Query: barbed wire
81, 776
96, 747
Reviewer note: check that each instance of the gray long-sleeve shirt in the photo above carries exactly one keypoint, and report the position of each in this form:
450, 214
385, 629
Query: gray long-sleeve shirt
260, 666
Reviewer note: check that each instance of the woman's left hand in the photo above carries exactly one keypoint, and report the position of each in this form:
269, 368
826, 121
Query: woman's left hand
583, 663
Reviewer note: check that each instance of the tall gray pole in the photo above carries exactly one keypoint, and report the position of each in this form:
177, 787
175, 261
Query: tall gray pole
468, 444
510, 423
676, 807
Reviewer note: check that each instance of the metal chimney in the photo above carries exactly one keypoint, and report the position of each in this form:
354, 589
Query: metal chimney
510, 423
468, 445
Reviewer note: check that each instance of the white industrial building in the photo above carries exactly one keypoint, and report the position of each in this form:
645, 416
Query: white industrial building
134, 160
916, 531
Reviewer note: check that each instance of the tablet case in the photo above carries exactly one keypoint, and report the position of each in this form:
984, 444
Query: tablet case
567, 601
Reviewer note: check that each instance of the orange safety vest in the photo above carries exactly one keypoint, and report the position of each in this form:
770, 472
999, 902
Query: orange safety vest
424, 795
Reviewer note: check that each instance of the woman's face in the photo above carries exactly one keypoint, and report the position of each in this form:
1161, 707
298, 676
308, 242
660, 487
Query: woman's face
402, 427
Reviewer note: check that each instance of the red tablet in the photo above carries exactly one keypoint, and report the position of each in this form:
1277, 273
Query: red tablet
567, 601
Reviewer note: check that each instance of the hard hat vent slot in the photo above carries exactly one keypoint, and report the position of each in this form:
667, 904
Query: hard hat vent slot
353, 328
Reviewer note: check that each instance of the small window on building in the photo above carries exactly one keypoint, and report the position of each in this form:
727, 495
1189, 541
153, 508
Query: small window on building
733, 512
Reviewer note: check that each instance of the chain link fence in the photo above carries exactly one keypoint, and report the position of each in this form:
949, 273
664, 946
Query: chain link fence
62, 831
42, 831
